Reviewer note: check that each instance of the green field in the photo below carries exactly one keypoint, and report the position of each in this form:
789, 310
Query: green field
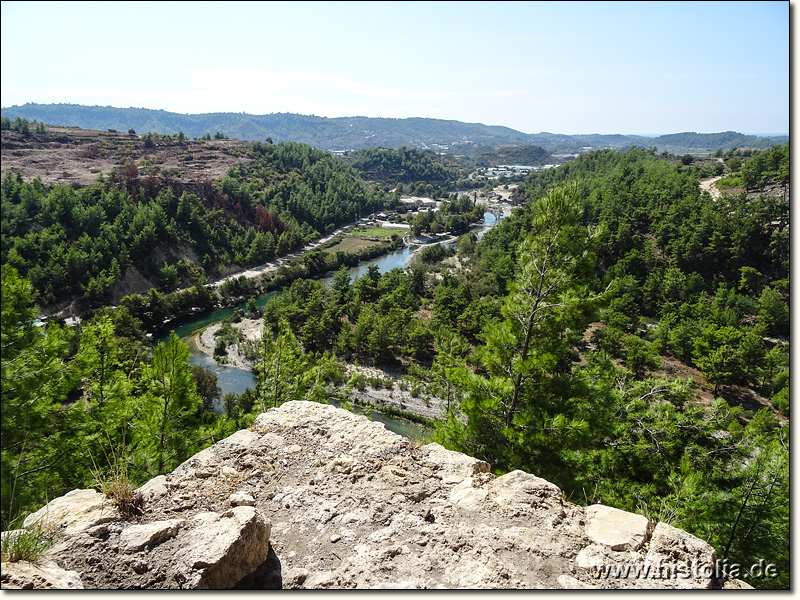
377, 232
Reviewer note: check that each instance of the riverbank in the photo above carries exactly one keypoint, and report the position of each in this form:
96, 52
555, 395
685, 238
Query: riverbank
394, 396
426, 242
275, 264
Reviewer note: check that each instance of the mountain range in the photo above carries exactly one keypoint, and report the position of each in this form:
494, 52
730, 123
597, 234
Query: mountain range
353, 133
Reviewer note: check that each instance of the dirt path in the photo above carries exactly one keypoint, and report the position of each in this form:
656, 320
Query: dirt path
275, 264
708, 186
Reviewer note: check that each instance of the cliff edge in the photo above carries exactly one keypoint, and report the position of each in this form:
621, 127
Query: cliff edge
312, 496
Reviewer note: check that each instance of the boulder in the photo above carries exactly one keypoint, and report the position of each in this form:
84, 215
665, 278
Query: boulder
75, 512
315, 497
223, 550
686, 561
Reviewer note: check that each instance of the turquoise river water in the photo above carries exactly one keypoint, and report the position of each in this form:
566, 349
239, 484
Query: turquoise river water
233, 379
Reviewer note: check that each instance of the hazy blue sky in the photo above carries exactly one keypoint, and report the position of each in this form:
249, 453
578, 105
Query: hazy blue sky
565, 67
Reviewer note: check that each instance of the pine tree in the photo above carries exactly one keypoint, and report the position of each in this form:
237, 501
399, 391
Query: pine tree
165, 418
527, 401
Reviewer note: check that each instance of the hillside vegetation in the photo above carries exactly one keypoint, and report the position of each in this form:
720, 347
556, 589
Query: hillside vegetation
140, 220
405, 165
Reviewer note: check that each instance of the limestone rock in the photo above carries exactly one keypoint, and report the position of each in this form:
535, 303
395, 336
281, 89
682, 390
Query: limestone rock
736, 584
75, 512
453, 467
136, 537
223, 551
312, 496
154, 488
615, 528
40, 575
692, 560
242, 499
467, 495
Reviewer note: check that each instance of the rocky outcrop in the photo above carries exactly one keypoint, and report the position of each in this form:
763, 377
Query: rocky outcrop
312, 496
44, 574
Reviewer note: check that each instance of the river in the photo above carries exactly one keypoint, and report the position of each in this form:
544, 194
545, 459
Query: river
233, 379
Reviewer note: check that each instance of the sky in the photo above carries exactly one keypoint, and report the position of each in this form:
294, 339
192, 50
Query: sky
564, 67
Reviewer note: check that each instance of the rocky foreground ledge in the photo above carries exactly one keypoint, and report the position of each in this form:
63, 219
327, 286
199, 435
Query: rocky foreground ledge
312, 496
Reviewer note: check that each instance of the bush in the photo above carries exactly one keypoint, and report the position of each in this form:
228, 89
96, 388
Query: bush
780, 401
357, 381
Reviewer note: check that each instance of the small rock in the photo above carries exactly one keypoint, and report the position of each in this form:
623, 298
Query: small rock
140, 566
294, 577
335, 538
136, 537
98, 531
242, 499
155, 488
616, 528
570, 583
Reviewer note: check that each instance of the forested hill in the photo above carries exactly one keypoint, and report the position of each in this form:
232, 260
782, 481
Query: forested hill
353, 133
404, 166
346, 133
95, 242
708, 142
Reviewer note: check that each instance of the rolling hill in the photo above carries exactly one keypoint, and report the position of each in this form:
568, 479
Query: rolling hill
353, 133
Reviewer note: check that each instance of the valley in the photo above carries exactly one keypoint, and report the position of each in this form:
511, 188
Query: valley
626, 318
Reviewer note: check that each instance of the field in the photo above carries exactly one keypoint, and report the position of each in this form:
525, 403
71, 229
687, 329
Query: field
352, 243
377, 232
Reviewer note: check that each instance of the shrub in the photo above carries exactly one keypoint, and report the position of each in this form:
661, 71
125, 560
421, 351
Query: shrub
357, 381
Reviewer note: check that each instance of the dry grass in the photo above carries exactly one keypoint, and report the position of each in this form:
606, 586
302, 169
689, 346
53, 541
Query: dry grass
116, 486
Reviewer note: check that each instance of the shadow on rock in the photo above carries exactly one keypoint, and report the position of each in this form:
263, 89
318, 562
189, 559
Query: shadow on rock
266, 577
